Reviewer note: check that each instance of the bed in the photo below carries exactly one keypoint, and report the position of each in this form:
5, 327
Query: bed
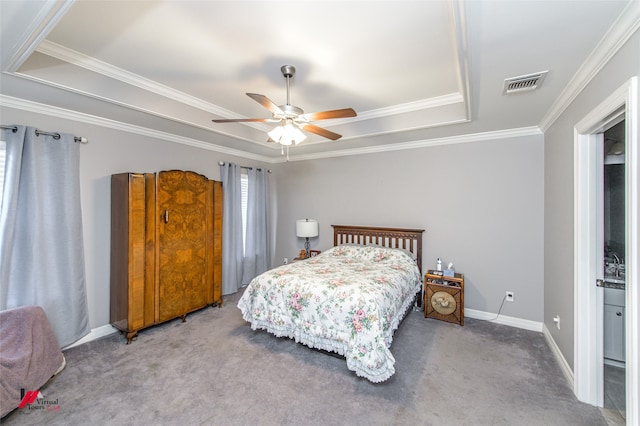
348, 300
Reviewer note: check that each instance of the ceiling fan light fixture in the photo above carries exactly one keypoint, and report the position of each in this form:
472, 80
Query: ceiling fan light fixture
287, 134
292, 118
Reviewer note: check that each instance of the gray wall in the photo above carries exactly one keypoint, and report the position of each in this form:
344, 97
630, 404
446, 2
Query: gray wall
481, 204
559, 193
108, 152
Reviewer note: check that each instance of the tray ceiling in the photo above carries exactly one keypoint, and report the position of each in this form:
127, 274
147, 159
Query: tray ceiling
412, 70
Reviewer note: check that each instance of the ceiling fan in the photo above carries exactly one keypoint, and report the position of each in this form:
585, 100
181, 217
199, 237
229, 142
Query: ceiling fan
292, 118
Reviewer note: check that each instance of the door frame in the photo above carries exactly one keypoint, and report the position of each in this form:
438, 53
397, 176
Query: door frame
588, 318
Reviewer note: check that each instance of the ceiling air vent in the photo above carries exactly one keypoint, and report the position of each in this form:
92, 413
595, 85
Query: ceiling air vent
524, 83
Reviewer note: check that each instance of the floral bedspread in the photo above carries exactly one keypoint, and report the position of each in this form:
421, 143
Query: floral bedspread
349, 299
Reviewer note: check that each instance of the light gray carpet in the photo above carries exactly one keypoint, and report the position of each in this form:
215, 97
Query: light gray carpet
215, 370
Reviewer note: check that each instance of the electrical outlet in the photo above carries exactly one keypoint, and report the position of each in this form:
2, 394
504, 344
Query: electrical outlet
509, 296
285, 261
556, 319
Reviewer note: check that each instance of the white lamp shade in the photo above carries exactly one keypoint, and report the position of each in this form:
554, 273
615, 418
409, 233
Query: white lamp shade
276, 133
307, 228
287, 134
296, 135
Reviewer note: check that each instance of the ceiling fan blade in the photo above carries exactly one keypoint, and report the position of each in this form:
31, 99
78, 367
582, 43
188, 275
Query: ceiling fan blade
325, 115
320, 131
247, 120
266, 102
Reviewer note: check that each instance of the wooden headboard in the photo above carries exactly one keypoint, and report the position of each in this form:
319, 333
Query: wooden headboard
406, 239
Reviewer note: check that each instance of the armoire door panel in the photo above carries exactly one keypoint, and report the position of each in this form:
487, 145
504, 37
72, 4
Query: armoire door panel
181, 199
137, 253
131, 306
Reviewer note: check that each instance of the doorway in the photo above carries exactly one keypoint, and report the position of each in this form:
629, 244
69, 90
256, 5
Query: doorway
611, 200
588, 249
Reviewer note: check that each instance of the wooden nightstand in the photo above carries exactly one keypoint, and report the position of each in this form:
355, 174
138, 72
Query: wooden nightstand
444, 297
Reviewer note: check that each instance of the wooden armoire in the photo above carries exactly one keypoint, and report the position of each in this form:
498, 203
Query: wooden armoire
166, 247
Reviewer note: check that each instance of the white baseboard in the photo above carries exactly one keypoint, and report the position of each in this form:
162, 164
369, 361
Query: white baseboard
503, 319
564, 365
95, 334
527, 325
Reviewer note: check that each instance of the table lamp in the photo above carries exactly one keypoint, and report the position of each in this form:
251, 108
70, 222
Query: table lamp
307, 228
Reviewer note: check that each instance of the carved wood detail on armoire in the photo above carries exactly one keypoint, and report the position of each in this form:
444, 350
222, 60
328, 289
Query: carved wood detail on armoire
166, 247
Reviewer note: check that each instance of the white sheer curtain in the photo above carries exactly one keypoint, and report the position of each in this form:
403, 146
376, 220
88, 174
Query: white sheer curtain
231, 228
41, 242
257, 255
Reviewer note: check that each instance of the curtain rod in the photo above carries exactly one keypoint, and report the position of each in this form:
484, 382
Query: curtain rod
56, 136
222, 163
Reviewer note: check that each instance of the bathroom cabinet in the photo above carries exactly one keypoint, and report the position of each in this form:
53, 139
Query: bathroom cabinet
614, 324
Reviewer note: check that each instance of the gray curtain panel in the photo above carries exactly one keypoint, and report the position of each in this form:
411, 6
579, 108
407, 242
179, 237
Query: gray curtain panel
257, 256
232, 244
41, 242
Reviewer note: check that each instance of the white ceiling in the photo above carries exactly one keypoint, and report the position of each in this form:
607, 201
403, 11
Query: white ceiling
412, 70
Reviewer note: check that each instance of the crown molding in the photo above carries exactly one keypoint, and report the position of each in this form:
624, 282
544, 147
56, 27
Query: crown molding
458, 17
35, 107
130, 106
47, 18
78, 59
622, 29
38, 108
425, 143
423, 104
133, 107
